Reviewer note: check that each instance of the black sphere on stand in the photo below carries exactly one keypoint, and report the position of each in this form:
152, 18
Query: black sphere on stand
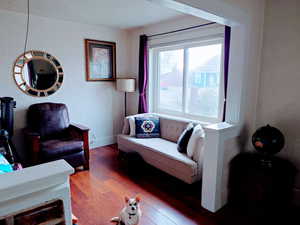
268, 141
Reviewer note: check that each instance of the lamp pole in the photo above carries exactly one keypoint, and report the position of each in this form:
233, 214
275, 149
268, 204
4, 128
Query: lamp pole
125, 105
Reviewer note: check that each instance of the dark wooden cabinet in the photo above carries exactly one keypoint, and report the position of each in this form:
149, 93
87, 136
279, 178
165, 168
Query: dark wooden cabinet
48, 214
260, 186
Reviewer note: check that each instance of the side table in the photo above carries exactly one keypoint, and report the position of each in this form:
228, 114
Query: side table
258, 188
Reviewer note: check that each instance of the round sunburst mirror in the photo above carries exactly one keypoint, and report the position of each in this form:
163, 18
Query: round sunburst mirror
38, 73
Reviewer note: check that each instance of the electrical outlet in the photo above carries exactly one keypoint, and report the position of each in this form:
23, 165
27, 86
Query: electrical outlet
92, 138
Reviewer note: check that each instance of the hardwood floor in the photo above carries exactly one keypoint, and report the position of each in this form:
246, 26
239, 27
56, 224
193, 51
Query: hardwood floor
98, 194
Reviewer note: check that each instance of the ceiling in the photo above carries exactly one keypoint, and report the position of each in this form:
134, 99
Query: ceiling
116, 13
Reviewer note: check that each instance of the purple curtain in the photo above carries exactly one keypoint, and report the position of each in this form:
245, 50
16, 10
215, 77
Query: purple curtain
143, 74
226, 65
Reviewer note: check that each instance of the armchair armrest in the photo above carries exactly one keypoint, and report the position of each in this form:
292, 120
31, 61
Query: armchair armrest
30, 133
79, 127
82, 132
33, 140
78, 131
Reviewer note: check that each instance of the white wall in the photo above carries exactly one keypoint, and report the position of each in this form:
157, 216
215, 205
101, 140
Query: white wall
94, 104
279, 95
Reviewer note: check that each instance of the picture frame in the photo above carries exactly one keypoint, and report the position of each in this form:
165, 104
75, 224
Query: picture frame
100, 60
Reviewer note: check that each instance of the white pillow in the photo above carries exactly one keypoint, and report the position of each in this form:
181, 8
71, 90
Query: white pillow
196, 143
198, 152
131, 121
126, 129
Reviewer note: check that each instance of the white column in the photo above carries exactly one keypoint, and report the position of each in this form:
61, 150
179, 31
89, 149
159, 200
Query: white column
220, 147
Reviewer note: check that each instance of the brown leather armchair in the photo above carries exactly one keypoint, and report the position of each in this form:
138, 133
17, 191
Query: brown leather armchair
50, 136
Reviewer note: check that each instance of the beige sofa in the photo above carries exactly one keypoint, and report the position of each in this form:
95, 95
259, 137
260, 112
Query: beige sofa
162, 152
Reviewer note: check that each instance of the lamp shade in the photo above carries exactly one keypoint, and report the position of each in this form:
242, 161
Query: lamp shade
126, 84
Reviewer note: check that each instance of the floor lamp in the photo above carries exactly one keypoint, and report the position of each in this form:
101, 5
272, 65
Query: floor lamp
126, 85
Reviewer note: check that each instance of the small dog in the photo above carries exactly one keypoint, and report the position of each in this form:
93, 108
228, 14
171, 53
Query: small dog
130, 214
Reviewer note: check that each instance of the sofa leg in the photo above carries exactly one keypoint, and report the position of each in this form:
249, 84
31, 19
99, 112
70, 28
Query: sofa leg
86, 166
120, 154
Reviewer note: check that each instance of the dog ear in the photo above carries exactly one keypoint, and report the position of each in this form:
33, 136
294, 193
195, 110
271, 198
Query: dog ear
126, 199
138, 198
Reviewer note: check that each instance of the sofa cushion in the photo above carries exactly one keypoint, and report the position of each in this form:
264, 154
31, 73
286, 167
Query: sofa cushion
171, 129
161, 154
57, 148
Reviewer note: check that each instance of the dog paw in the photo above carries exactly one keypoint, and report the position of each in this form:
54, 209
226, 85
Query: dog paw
115, 219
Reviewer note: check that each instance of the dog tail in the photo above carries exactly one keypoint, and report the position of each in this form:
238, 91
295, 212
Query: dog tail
115, 219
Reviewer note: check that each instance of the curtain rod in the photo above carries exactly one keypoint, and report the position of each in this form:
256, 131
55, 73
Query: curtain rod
183, 29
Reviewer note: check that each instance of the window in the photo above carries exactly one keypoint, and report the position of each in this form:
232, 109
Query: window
187, 80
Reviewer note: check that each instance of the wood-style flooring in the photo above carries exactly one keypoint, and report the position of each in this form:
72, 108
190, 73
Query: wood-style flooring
98, 194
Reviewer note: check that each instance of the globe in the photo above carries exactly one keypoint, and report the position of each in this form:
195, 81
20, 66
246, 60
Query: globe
268, 140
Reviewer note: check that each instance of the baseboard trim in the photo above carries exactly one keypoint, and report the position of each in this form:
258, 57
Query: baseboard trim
104, 141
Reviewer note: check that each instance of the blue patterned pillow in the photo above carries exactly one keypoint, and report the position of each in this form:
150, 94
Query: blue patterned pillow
5, 167
147, 127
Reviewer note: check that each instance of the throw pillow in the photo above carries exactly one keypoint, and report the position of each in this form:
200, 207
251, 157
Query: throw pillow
131, 121
126, 128
184, 138
147, 127
5, 167
196, 143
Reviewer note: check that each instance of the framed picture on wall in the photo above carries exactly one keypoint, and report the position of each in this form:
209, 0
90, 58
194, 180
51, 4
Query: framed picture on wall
100, 59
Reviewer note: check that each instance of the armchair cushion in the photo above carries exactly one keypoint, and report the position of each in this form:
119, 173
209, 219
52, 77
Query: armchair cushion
57, 148
50, 120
